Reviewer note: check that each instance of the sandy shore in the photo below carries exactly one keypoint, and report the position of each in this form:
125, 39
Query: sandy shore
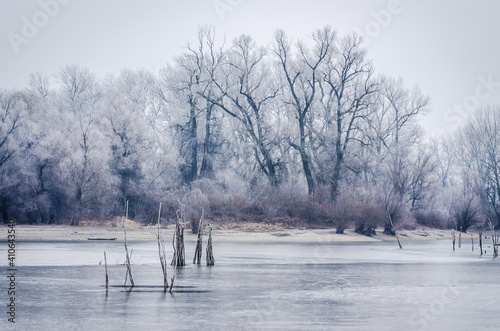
252, 233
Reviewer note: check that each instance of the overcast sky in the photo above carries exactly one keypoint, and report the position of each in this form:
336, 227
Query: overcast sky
449, 48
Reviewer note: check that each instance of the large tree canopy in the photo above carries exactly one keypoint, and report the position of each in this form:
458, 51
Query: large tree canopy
238, 129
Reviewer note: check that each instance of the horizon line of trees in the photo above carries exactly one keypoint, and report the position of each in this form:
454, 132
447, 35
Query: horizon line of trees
295, 131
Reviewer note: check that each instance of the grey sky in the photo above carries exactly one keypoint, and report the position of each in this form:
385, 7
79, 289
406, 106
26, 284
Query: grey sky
446, 47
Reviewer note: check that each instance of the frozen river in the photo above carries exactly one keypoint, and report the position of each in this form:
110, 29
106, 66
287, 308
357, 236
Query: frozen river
367, 286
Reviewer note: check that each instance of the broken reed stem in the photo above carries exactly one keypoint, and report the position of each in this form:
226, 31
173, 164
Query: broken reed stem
106, 268
210, 255
162, 254
395, 232
172, 283
129, 269
481, 240
453, 238
198, 250
127, 273
494, 238
495, 248
181, 235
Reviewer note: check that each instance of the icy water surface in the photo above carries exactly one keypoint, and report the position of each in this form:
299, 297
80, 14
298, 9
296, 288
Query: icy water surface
368, 286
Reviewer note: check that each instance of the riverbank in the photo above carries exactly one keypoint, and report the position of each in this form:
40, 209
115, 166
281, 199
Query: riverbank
245, 232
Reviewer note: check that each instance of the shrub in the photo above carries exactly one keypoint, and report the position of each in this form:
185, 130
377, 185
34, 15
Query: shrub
196, 202
369, 217
466, 211
345, 211
431, 219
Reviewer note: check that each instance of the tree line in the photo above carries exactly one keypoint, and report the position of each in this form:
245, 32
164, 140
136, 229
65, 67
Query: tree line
297, 131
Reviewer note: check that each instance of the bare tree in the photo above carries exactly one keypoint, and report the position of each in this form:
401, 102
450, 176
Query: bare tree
445, 159
478, 151
79, 86
39, 83
405, 170
190, 82
125, 105
13, 110
466, 207
14, 140
213, 57
45, 184
293, 114
422, 176
347, 87
85, 162
301, 74
246, 90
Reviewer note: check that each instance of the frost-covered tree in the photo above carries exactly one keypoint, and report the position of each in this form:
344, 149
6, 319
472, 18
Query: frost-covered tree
403, 166
347, 87
85, 152
124, 108
301, 71
187, 87
16, 138
247, 93
478, 153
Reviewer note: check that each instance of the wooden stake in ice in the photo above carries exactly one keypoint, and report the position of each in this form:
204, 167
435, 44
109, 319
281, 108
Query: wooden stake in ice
106, 268
395, 232
481, 240
453, 238
210, 255
198, 250
178, 241
162, 254
127, 256
494, 238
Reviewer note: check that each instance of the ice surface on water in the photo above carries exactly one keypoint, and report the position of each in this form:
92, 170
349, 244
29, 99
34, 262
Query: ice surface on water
368, 286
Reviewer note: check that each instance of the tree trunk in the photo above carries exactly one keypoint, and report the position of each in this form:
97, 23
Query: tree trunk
41, 178
389, 229
190, 150
308, 173
334, 180
305, 158
273, 179
79, 206
268, 166
339, 156
206, 170
193, 148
